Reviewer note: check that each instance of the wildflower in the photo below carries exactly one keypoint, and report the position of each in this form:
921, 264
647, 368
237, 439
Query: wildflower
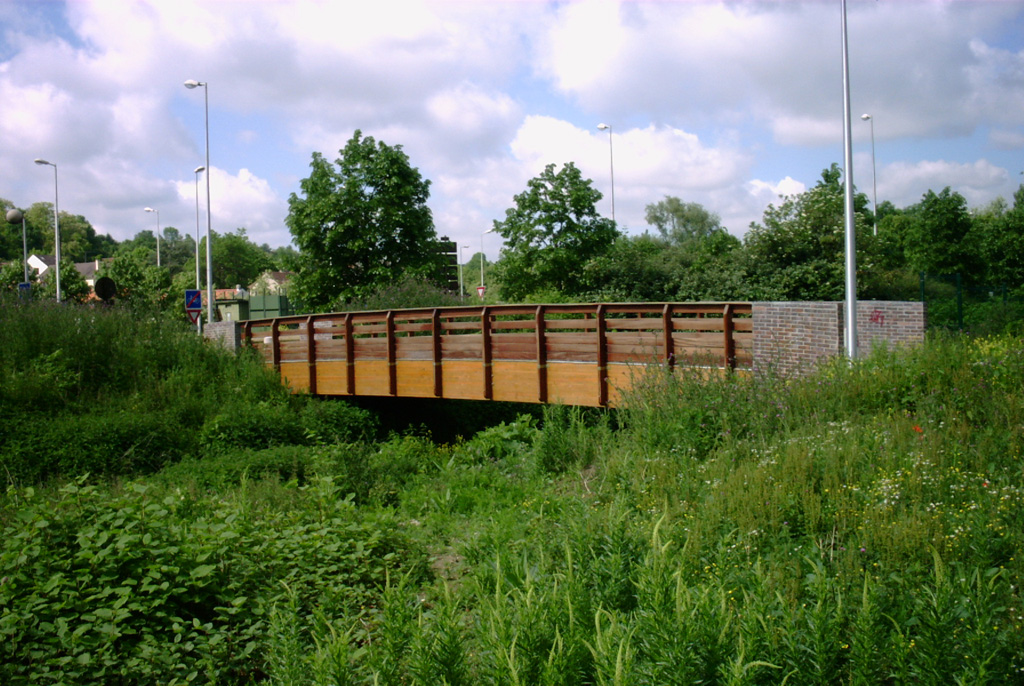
918, 429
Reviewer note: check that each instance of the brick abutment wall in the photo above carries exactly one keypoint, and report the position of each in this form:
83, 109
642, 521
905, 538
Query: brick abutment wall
794, 337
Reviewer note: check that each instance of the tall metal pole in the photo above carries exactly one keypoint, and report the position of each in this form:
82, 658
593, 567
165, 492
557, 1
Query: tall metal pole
199, 286
611, 162
874, 176
150, 209
56, 222
209, 221
851, 236
198, 282
462, 284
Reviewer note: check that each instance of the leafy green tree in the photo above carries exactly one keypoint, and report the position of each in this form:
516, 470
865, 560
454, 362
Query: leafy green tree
12, 273
177, 251
138, 280
799, 251
678, 222
286, 258
551, 234
361, 222
237, 261
998, 233
937, 237
79, 240
72, 284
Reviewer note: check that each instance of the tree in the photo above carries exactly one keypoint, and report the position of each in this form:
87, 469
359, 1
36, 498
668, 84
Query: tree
798, 253
362, 223
237, 261
936, 240
551, 233
72, 284
999, 237
138, 280
679, 222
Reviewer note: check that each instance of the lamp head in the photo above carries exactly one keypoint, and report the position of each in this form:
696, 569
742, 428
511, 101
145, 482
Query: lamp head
199, 169
41, 161
192, 83
150, 209
865, 117
603, 127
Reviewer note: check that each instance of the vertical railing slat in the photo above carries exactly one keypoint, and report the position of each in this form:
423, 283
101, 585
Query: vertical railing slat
350, 355
435, 334
542, 355
486, 352
311, 354
275, 345
729, 343
602, 358
667, 337
389, 337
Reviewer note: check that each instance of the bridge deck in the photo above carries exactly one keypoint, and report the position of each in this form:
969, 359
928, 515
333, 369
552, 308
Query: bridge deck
573, 354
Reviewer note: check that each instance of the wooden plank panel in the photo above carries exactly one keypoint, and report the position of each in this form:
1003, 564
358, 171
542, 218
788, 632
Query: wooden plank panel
709, 324
370, 348
415, 379
573, 384
333, 349
465, 347
295, 375
372, 377
641, 324
332, 378
463, 380
515, 381
560, 324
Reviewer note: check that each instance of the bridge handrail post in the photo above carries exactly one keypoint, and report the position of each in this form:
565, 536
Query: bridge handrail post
486, 352
350, 355
542, 355
667, 336
729, 344
275, 345
435, 335
311, 354
602, 356
389, 337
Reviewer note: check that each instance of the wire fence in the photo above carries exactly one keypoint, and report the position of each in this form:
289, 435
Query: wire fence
954, 304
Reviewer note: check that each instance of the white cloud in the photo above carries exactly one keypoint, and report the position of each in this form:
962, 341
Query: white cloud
904, 183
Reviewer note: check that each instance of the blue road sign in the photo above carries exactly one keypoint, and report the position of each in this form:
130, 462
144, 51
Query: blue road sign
193, 300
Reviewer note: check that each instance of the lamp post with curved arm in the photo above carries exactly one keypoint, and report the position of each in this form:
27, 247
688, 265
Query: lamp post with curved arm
209, 222
56, 222
150, 209
611, 162
874, 181
198, 170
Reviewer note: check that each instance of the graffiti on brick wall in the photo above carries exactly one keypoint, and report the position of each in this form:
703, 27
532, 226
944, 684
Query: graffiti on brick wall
877, 317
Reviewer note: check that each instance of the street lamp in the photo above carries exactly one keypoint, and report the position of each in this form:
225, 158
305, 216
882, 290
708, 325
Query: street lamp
482, 258
874, 183
611, 161
56, 222
150, 209
209, 222
462, 285
198, 170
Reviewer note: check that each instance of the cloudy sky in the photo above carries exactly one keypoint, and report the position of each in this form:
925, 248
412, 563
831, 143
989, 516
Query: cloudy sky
728, 104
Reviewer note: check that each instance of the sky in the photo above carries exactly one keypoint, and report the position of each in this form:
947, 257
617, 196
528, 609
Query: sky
727, 104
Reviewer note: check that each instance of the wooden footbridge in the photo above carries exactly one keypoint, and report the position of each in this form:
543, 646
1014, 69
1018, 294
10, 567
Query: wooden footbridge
572, 354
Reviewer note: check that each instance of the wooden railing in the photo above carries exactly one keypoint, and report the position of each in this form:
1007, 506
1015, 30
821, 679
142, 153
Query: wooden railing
573, 354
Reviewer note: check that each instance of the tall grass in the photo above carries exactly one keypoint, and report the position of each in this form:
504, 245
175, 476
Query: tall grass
861, 525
